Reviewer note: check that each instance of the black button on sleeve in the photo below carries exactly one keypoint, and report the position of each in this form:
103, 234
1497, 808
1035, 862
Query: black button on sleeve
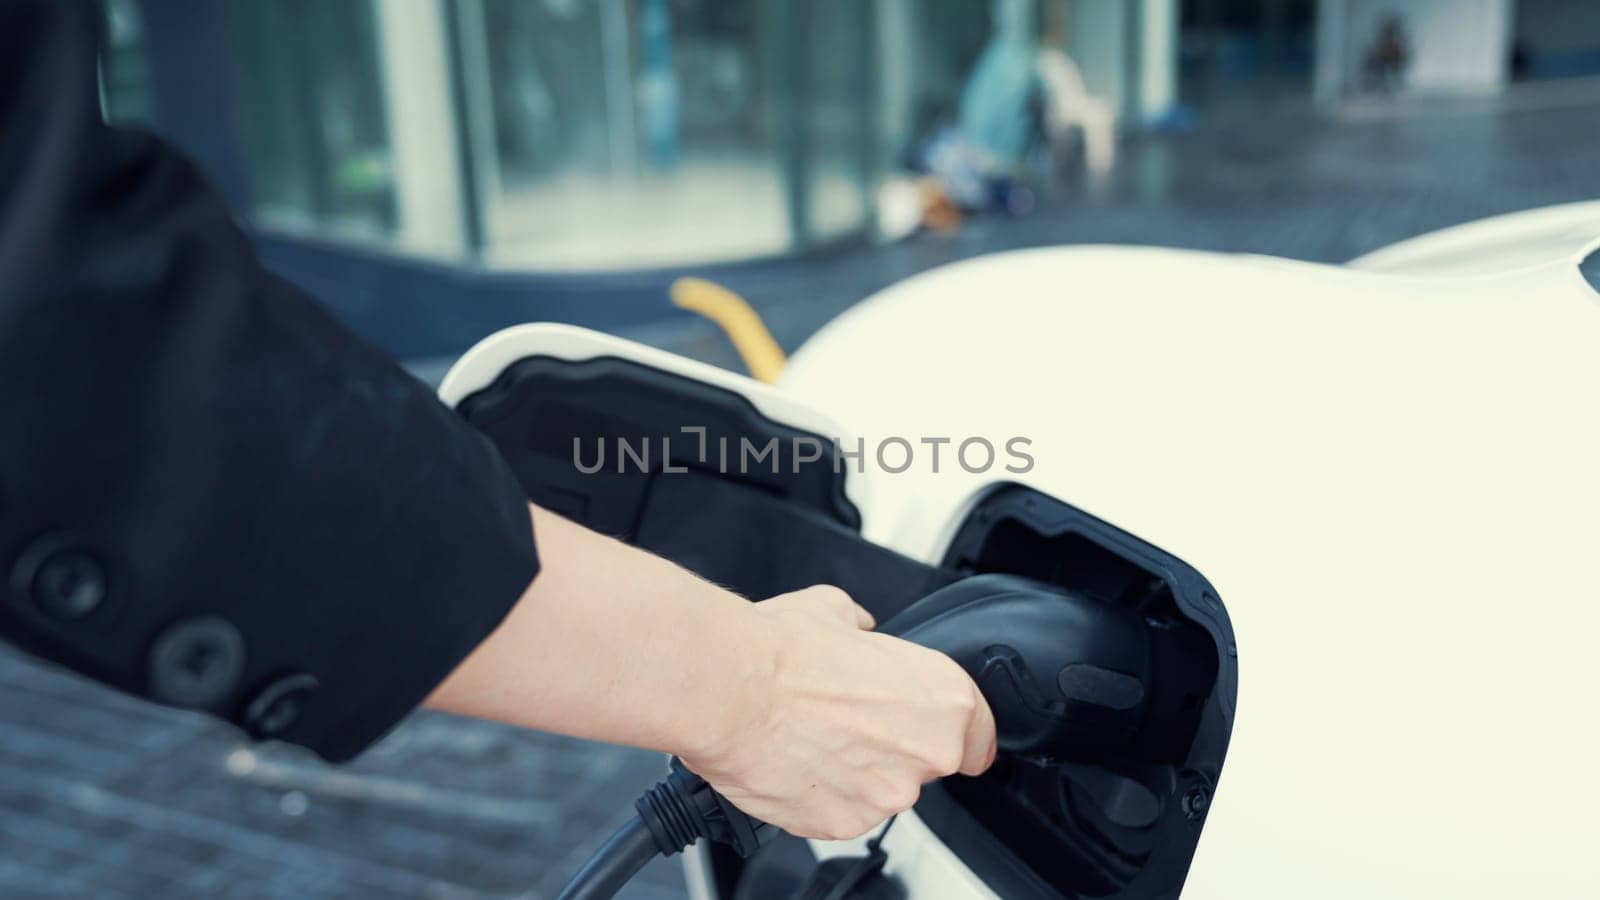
278, 705
59, 579
196, 662
69, 585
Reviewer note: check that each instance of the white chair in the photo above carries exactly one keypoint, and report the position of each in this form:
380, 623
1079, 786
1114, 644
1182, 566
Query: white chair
1068, 105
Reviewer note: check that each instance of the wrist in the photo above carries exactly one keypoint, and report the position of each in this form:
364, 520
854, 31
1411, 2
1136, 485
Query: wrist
741, 700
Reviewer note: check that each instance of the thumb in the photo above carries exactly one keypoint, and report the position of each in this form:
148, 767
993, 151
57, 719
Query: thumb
828, 601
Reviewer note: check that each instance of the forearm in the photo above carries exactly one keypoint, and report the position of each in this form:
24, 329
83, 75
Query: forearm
613, 644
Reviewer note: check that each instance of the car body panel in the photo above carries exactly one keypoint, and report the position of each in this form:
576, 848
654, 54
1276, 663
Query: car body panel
1391, 474
1393, 482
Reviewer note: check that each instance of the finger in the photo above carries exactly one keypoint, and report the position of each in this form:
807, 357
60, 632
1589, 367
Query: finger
838, 604
864, 619
980, 741
851, 612
810, 601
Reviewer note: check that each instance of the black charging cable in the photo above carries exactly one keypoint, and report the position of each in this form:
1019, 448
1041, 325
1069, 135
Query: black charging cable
614, 864
678, 811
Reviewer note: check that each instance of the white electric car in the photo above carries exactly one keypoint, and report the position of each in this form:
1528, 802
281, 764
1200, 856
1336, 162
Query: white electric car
1369, 494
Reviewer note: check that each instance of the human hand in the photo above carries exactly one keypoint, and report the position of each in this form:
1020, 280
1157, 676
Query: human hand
846, 725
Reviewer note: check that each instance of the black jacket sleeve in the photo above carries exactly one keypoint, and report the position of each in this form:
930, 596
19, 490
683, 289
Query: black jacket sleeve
211, 494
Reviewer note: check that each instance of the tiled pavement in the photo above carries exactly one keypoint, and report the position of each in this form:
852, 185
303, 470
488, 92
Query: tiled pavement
102, 796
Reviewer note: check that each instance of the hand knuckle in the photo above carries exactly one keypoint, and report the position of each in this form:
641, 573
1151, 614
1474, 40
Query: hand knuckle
950, 761
846, 827
907, 798
885, 796
967, 700
960, 694
927, 756
870, 823
896, 796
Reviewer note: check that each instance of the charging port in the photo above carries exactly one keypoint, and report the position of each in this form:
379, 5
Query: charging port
1125, 825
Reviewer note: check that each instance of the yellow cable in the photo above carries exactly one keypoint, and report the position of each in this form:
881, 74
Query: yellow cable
749, 335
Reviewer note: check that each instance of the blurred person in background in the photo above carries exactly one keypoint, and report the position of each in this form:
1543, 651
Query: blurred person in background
1383, 68
998, 112
1024, 111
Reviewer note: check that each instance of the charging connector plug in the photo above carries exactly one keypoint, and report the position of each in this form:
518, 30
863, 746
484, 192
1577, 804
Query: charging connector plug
682, 808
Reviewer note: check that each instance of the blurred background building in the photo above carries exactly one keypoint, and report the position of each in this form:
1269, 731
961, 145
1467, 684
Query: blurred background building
390, 138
